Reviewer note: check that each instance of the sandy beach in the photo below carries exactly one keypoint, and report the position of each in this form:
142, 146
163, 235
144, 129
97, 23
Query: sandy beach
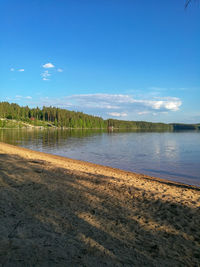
56, 211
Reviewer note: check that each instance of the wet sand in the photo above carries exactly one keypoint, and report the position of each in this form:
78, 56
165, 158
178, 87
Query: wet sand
56, 211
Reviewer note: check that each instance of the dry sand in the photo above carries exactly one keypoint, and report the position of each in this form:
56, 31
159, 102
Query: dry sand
56, 211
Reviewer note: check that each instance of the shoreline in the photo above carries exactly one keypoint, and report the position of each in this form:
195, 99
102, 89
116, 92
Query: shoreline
82, 165
59, 211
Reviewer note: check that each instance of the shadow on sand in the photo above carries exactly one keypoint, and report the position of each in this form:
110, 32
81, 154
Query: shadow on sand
54, 217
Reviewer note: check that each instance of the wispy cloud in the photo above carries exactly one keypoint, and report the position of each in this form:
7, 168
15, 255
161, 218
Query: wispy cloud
59, 70
117, 114
117, 105
48, 65
45, 75
22, 97
126, 101
20, 70
143, 112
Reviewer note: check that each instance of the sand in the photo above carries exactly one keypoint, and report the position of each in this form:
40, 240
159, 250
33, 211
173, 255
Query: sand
56, 211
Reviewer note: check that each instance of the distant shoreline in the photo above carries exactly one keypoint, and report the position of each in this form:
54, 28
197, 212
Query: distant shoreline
12, 115
14, 124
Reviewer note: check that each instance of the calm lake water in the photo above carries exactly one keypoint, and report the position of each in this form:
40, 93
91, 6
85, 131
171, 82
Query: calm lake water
171, 155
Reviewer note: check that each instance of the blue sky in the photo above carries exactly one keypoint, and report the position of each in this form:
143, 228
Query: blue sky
125, 59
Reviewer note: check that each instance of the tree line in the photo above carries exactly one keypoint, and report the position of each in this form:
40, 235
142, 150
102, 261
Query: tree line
70, 119
56, 116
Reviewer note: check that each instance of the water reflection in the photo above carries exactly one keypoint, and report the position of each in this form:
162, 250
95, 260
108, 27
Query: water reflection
168, 155
44, 137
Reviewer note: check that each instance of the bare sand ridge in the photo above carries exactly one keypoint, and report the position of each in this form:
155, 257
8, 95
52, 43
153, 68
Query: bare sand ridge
56, 211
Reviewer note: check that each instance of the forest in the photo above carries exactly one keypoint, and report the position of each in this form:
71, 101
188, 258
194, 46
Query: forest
63, 118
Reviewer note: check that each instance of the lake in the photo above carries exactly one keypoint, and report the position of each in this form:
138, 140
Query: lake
171, 155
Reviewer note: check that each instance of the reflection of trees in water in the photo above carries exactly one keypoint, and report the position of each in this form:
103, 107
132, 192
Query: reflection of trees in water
57, 137
51, 137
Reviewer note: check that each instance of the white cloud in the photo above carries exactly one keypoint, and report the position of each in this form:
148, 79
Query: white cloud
12, 69
171, 104
45, 75
117, 114
116, 105
103, 101
59, 70
22, 97
21, 70
118, 101
143, 112
48, 66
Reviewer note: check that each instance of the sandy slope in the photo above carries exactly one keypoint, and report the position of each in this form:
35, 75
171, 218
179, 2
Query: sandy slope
61, 212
